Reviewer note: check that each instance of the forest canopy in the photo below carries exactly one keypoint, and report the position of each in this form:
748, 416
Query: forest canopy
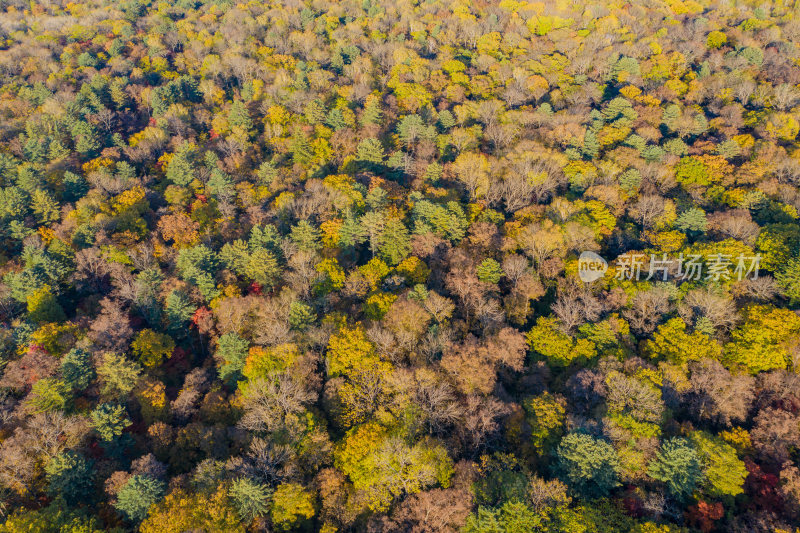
419, 266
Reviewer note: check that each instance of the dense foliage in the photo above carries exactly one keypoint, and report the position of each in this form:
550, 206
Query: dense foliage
313, 266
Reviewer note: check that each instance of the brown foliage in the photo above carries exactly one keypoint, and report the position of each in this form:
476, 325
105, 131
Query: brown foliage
473, 364
433, 511
775, 434
716, 395
28, 369
111, 330
179, 228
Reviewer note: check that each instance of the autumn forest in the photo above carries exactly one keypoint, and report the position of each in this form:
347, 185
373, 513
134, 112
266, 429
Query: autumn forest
415, 266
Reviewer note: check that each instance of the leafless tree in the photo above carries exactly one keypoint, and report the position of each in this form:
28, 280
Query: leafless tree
438, 402
718, 309
647, 209
736, 224
433, 511
761, 289
647, 310
91, 268
716, 395
575, 305
195, 384
481, 414
270, 400
269, 462
775, 434
111, 329
515, 266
